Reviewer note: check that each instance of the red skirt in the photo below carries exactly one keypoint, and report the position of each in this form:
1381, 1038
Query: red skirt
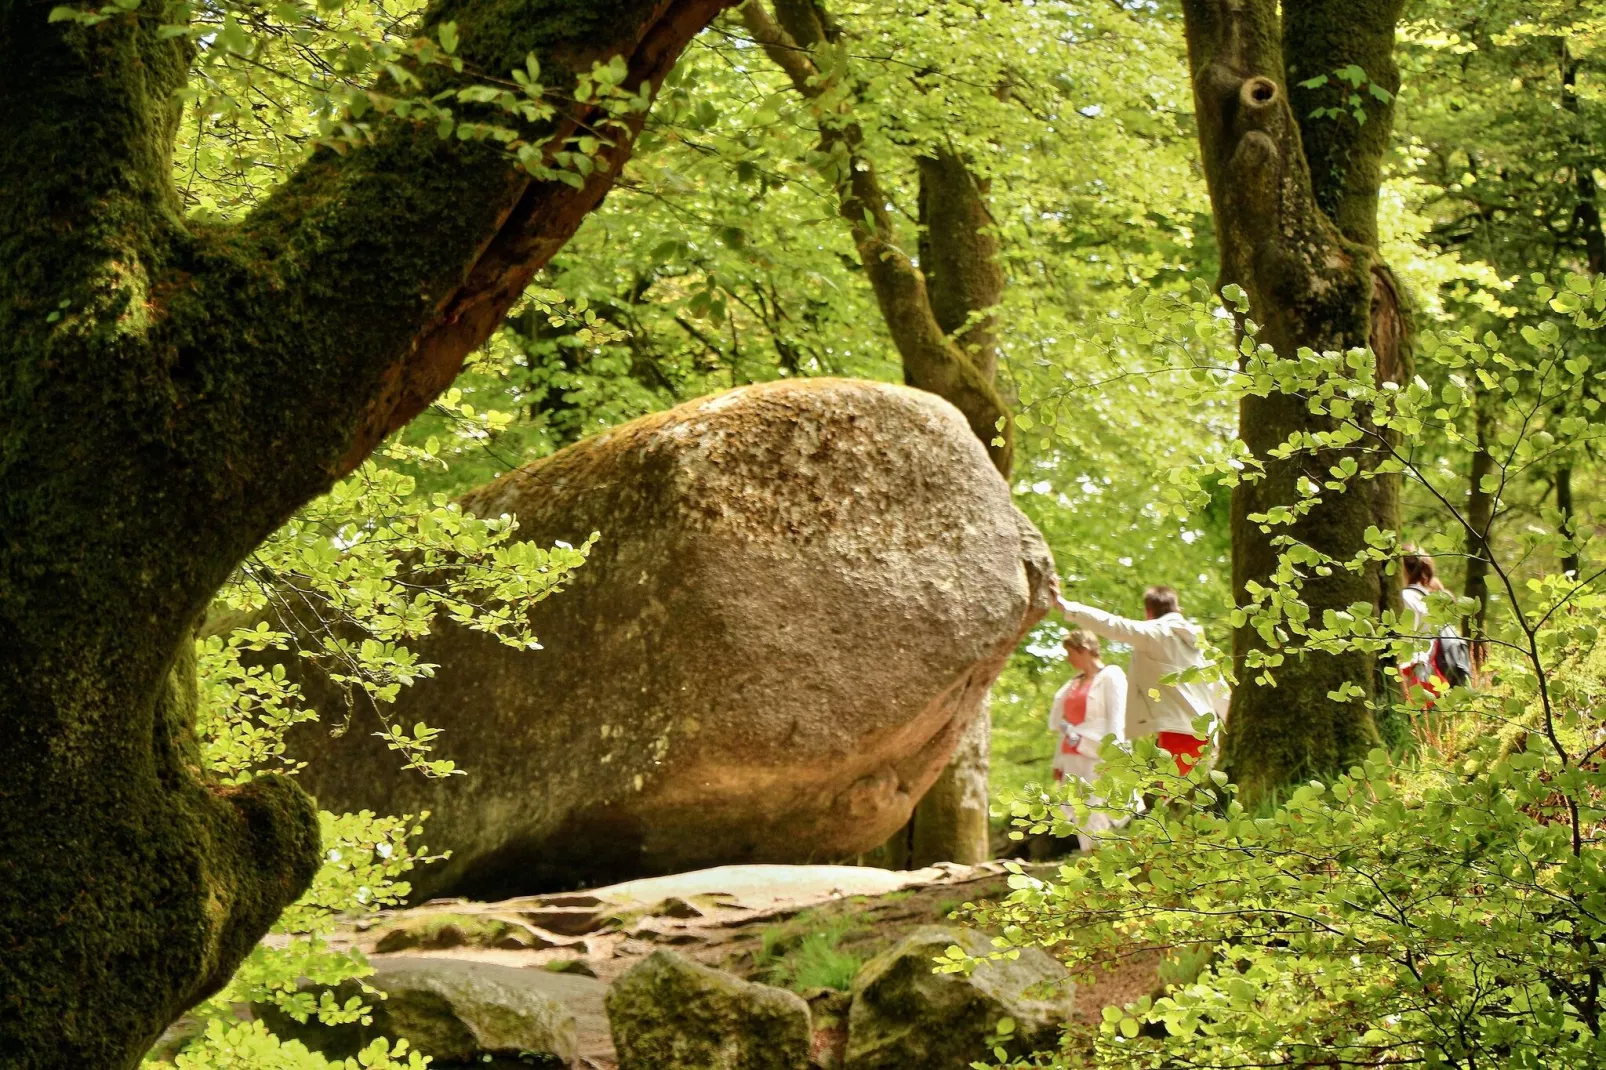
1185, 747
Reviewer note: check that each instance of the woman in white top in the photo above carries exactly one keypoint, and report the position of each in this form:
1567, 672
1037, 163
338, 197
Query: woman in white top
1086, 710
1419, 676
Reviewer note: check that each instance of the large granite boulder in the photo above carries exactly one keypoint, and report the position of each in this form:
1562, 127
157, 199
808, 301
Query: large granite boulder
801, 595
457, 1012
669, 1013
904, 1015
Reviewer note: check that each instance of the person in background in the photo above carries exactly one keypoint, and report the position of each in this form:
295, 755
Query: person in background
1438, 661
1086, 710
1165, 642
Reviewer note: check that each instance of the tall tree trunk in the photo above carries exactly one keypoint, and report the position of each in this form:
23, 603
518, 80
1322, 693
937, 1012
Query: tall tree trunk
1589, 222
1480, 519
172, 393
964, 282
931, 360
1295, 206
1564, 506
1588, 211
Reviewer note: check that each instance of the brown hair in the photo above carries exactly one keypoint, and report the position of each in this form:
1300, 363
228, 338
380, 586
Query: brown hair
1086, 642
1419, 569
1160, 600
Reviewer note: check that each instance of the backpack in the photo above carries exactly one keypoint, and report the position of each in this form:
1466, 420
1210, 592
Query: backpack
1450, 655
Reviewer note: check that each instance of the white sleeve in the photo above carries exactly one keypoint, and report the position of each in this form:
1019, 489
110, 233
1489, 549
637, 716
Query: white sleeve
1417, 604
1106, 710
1121, 629
1422, 643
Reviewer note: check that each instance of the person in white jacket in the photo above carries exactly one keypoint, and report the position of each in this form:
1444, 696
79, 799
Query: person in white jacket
1164, 643
1089, 708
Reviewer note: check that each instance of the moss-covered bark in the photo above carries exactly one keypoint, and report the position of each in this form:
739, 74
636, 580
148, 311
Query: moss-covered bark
169, 394
1295, 205
959, 257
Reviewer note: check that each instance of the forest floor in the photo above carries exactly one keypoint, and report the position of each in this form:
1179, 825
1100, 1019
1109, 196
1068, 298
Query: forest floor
805, 927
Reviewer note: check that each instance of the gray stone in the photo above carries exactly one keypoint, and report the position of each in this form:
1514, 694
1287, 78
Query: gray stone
801, 594
458, 1012
904, 1015
669, 1013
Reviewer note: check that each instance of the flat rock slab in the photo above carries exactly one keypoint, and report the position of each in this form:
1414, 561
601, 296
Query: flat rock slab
761, 887
732, 907
583, 923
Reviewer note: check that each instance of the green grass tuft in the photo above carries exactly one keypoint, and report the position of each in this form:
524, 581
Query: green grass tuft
806, 953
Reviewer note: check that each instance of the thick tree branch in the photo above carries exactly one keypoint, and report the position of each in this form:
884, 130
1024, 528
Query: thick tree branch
435, 241
931, 360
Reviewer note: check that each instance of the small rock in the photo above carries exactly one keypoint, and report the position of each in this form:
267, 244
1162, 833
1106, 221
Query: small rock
578, 967
437, 932
652, 931
904, 1015
669, 1013
452, 1010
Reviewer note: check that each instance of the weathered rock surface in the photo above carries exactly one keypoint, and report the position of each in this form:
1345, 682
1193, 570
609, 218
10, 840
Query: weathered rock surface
669, 1013
751, 919
802, 592
903, 1015
950, 823
459, 1012
438, 932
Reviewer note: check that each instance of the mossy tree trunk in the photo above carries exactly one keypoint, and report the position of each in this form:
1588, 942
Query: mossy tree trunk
170, 394
1295, 205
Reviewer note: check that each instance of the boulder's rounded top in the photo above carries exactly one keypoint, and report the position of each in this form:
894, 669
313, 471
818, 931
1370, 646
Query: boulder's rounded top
795, 458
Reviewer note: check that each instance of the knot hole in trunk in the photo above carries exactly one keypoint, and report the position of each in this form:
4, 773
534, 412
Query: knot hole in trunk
1258, 93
